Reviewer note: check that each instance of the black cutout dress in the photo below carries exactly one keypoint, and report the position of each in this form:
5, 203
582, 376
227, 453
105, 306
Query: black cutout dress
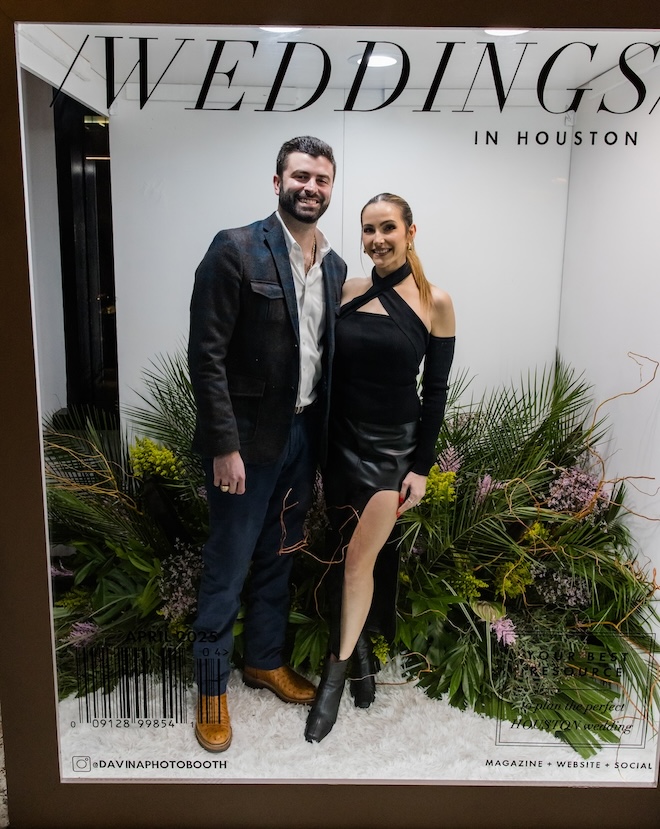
379, 428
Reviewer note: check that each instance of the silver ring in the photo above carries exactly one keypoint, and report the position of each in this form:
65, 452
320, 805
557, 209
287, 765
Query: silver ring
224, 488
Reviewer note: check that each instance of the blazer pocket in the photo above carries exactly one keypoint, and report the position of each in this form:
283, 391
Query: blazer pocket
271, 290
268, 300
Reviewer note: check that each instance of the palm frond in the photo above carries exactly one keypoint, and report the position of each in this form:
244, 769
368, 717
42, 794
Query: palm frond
168, 411
92, 492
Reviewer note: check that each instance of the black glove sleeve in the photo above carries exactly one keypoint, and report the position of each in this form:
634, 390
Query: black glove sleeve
435, 383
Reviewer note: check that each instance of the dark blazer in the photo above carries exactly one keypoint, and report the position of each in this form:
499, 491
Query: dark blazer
244, 342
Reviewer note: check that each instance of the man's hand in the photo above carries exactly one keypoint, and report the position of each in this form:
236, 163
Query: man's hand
229, 473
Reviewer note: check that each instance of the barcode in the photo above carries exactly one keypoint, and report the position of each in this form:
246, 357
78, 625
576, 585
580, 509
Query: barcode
131, 683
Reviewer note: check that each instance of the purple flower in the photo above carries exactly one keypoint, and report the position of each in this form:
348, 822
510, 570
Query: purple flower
575, 491
450, 459
505, 631
59, 570
485, 485
561, 587
82, 634
178, 582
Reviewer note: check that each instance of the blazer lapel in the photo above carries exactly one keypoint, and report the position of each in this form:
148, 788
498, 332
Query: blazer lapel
274, 238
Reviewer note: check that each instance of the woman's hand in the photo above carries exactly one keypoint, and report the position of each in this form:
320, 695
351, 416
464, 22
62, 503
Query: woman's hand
411, 492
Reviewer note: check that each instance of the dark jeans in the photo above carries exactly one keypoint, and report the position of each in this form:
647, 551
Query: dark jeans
247, 535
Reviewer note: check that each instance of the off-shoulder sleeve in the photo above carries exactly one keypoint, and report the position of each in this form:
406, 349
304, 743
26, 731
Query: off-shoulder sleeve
435, 384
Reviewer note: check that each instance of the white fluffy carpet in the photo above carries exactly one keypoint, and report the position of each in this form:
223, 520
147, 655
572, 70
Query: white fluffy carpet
404, 736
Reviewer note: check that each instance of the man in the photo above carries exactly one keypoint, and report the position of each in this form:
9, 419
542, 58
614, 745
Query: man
260, 351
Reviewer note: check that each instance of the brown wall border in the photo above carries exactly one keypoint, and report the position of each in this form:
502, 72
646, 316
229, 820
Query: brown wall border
37, 798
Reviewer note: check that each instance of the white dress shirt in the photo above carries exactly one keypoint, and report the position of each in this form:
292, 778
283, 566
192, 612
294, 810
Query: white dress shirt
311, 312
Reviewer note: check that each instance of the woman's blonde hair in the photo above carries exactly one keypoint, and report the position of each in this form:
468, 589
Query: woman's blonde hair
423, 285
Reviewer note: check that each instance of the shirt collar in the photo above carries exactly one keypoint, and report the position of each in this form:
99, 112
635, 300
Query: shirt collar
322, 244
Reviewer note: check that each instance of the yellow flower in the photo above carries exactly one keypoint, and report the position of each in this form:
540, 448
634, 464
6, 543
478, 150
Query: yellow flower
147, 458
512, 579
380, 648
466, 584
440, 487
535, 533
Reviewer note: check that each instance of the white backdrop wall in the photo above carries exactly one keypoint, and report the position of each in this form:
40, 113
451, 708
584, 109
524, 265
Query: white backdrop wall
490, 219
44, 234
611, 292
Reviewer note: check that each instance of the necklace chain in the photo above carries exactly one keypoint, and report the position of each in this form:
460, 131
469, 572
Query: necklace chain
312, 258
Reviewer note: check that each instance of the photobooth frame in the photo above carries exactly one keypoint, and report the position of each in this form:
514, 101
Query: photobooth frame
27, 686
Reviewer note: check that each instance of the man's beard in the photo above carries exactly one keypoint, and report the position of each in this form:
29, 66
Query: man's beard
288, 201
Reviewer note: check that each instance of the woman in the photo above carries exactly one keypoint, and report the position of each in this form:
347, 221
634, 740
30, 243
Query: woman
382, 437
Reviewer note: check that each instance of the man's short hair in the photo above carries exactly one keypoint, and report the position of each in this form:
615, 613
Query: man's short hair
305, 144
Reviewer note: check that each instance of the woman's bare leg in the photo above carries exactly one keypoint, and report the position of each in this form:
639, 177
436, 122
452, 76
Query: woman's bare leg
372, 531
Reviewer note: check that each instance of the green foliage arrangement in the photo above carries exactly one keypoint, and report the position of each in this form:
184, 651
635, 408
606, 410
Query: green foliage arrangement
520, 595
132, 515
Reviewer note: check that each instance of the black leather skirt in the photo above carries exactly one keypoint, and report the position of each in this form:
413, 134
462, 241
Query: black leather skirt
365, 458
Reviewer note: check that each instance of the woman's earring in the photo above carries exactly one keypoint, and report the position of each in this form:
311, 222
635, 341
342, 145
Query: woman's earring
409, 245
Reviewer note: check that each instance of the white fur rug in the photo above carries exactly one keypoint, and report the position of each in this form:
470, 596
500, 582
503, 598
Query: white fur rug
404, 737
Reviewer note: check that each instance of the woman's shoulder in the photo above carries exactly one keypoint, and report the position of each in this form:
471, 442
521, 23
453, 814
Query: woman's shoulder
440, 298
443, 321
355, 286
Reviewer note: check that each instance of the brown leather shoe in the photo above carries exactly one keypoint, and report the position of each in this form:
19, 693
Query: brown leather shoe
213, 729
284, 682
